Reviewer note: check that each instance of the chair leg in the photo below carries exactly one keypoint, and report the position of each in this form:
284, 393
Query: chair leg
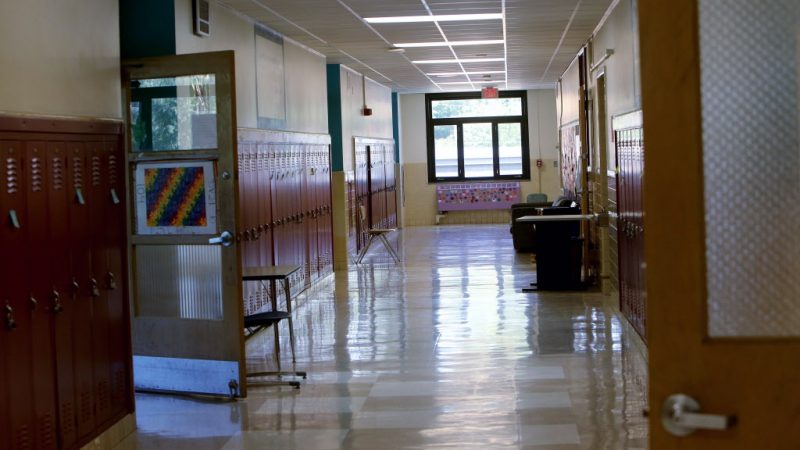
364, 250
291, 325
389, 247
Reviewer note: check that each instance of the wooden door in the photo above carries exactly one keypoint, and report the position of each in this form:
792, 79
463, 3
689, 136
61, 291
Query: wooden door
187, 322
720, 102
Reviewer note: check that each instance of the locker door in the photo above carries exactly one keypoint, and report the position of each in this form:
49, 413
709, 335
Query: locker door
248, 201
328, 213
97, 193
114, 281
309, 209
277, 205
16, 318
41, 310
80, 293
265, 205
63, 308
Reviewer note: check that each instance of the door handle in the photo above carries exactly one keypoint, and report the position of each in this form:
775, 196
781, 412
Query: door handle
681, 416
225, 239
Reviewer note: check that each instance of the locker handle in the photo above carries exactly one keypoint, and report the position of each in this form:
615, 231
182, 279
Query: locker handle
11, 324
75, 286
12, 216
114, 197
33, 302
57, 307
79, 196
94, 289
111, 281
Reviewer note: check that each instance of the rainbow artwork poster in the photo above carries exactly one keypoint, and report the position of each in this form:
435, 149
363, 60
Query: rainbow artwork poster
175, 198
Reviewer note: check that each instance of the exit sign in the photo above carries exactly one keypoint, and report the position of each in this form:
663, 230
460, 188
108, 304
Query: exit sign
489, 92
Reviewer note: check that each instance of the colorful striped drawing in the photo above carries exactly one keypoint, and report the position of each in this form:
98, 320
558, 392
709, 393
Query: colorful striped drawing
175, 197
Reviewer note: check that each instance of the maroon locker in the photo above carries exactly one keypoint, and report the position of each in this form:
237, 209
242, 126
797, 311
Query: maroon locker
63, 308
14, 302
80, 293
96, 200
278, 216
327, 218
314, 173
41, 310
5, 424
264, 205
114, 280
391, 187
247, 200
362, 194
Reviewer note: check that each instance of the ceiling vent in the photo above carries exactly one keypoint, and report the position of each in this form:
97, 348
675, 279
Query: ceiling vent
202, 18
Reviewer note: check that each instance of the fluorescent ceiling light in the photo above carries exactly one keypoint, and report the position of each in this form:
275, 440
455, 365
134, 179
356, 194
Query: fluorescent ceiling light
445, 44
475, 82
453, 74
455, 61
441, 18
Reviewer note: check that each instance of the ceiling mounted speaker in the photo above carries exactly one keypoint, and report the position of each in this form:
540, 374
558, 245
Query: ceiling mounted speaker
202, 17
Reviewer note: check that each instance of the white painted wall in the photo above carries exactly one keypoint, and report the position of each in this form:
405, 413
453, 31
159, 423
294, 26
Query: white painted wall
354, 123
60, 58
305, 81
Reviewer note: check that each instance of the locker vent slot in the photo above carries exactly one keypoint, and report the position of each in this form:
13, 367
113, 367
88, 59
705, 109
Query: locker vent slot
58, 174
67, 419
112, 169
86, 406
77, 173
96, 171
36, 174
46, 431
12, 175
23, 438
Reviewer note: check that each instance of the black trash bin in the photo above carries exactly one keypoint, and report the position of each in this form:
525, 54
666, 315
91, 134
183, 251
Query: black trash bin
559, 251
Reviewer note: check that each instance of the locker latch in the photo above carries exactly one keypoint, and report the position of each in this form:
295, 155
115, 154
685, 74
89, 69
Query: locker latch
79, 196
11, 324
57, 307
114, 197
12, 216
33, 302
94, 288
111, 281
75, 286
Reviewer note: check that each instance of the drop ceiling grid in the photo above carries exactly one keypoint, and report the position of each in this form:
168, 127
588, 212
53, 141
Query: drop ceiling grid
534, 28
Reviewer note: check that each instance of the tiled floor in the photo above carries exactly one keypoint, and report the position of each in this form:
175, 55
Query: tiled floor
441, 351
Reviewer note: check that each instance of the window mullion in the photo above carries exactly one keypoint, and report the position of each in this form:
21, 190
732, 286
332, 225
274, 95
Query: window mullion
495, 150
460, 144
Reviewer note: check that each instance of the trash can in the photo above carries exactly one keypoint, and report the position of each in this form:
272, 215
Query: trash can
559, 252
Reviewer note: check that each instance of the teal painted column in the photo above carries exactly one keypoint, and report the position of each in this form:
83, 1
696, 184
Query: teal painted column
396, 125
335, 116
146, 28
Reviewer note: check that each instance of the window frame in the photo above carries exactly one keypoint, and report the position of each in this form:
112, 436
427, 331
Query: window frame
430, 123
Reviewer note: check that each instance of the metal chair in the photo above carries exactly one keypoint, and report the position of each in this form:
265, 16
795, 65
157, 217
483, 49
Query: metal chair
374, 233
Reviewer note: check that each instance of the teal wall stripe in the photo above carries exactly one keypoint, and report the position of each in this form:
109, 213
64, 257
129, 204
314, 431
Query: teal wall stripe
146, 28
335, 116
396, 125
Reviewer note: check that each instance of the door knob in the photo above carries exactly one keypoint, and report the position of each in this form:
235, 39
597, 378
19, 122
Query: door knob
225, 239
681, 417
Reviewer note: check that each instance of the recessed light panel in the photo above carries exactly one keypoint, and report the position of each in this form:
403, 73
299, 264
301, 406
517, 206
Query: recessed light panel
445, 44
441, 18
456, 61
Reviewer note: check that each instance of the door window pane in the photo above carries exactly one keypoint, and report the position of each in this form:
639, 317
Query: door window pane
175, 113
509, 136
478, 155
445, 150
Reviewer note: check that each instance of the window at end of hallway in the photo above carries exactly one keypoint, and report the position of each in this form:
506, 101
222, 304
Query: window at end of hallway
472, 138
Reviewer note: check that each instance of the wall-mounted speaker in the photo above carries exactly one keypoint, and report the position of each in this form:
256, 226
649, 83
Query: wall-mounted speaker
201, 12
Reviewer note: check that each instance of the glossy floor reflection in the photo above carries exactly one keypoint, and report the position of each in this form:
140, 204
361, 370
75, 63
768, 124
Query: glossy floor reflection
439, 351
